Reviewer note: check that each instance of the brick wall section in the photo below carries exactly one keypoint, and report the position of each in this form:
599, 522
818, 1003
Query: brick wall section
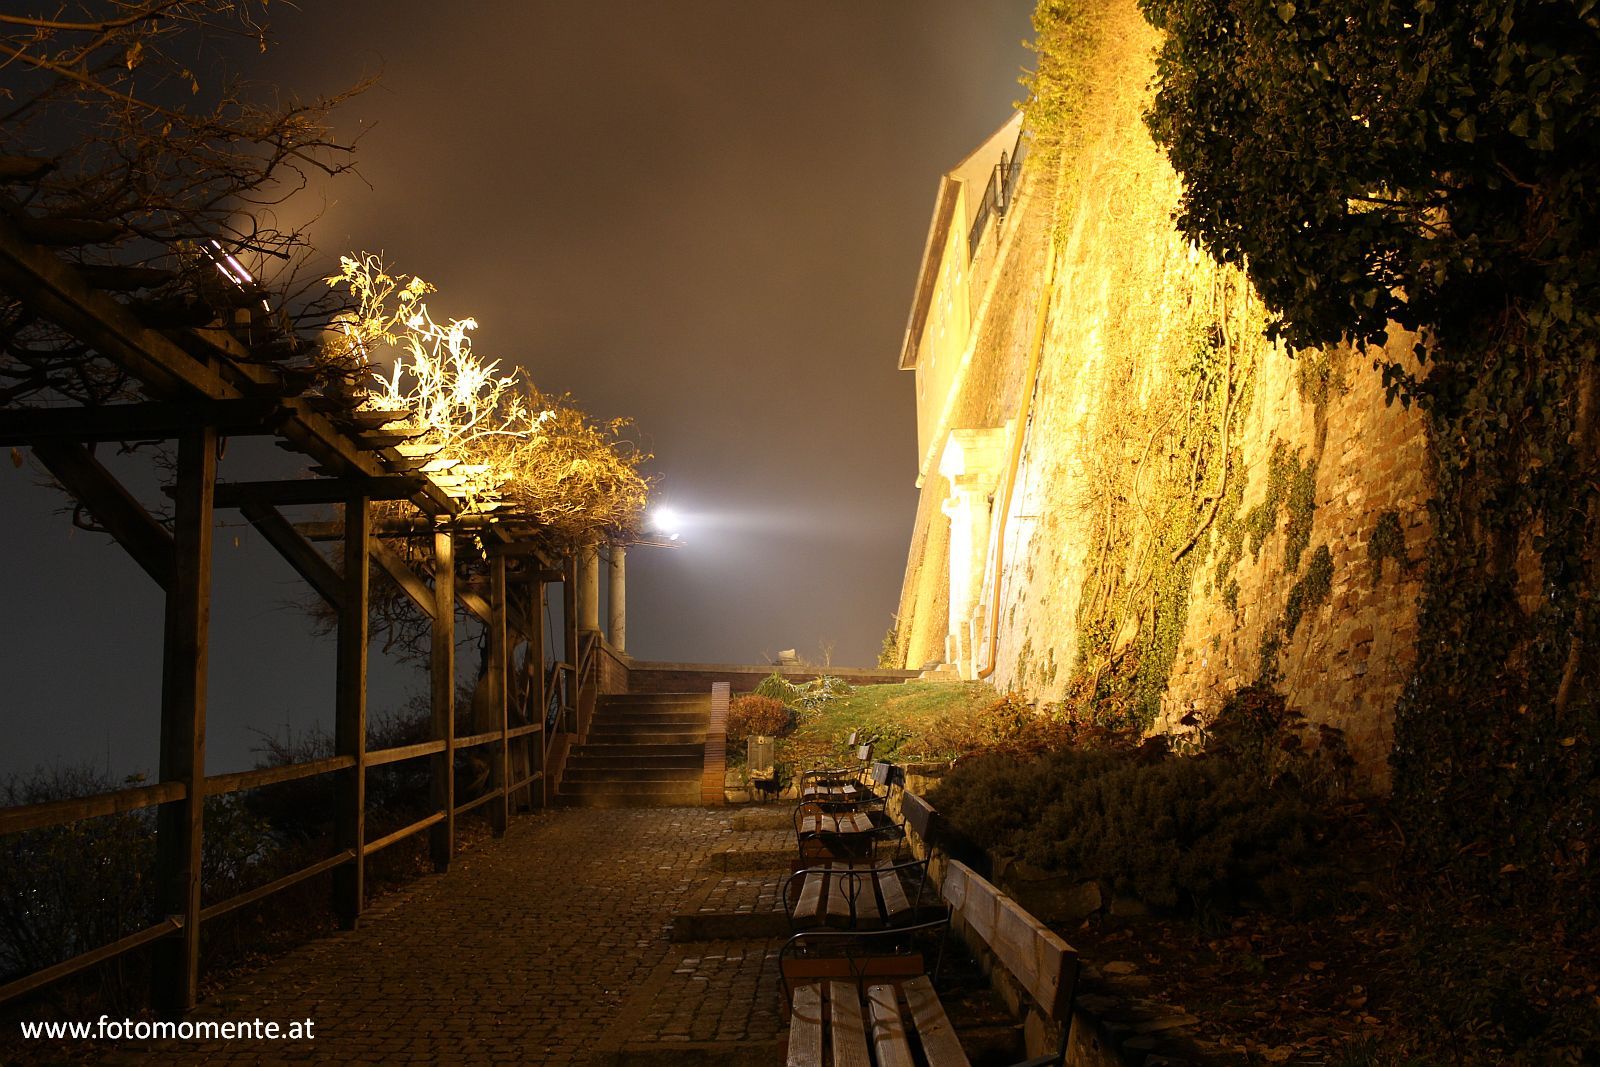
712, 789
613, 669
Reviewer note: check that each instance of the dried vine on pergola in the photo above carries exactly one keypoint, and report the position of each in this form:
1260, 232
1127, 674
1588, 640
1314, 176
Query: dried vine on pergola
495, 441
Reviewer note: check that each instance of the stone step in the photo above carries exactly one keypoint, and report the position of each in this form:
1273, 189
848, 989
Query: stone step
653, 700
650, 717
644, 792
642, 761
626, 750
629, 776
681, 799
631, 736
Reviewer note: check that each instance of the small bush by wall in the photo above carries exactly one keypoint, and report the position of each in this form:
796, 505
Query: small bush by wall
754, 715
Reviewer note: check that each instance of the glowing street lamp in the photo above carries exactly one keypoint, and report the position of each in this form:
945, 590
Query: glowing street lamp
665, 521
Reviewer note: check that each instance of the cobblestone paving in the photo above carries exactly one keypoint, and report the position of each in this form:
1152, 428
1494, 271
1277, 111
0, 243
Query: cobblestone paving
730, 993
744, 892
545, 947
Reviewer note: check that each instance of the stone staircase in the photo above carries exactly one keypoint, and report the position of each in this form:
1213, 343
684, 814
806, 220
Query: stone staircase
643, 750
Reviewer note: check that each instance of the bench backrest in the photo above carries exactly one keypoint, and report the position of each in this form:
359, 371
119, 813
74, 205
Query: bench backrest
919, 816
882, 774
1040, 961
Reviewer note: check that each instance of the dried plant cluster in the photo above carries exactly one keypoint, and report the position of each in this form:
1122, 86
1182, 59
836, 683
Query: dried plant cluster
496, 442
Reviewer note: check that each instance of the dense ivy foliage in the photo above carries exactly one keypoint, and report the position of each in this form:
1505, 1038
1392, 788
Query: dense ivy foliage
1375, 164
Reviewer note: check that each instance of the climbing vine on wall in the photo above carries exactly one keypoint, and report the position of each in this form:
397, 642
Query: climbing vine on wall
1165, 471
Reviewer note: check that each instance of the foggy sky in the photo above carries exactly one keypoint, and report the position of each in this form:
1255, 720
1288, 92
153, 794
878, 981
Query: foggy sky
703, 216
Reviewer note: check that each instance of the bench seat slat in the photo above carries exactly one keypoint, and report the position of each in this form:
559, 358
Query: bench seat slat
867, 910
809, 906
848, 1030
933, 1025
895, 903
805, 1027
888, 1028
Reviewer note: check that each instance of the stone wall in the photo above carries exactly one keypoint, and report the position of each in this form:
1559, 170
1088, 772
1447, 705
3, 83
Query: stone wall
1128, 305
1348, 659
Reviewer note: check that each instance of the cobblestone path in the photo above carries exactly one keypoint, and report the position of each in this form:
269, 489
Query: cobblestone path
548, 946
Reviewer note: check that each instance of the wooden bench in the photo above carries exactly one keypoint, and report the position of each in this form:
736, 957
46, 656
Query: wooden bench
827, 833
835, 789
862, 998
856, 897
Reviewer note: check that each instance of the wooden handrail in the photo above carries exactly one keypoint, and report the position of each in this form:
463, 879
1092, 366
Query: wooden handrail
59, 812
405, 752
404, 832
28, 983
261, 892
239, 781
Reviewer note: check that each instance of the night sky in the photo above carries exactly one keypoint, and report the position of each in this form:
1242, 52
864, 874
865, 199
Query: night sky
704, 216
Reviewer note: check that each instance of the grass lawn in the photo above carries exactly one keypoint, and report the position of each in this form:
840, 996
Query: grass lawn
902, 721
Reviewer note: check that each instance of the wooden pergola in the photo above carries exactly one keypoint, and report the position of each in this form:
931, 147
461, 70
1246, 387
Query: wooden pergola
201, 385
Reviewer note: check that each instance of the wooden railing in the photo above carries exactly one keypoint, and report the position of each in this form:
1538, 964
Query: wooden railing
63, 812
571, 692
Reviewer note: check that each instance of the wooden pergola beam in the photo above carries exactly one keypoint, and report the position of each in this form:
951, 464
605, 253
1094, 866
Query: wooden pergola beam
295, 491
281, 535
317, 436
42, 281
406, 578
442, 698
499, 671
156, 420
350, 715
185, 656
55, 290
145, 539
475, 604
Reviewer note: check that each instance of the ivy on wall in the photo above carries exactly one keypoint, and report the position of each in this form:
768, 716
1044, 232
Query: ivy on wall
1154, 510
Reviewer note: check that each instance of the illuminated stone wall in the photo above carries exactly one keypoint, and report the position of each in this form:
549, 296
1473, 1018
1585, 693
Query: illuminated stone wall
1124, 285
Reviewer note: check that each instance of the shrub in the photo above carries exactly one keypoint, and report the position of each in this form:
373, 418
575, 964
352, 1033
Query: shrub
753, 715
1012, 727
1256, 728
1173, 832
67, 889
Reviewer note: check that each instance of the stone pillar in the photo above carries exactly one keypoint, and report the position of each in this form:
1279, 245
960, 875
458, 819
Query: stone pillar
971, 463
617, 629
589, 588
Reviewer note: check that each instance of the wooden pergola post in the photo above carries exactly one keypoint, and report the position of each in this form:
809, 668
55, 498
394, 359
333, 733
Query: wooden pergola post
537, 698
442, 677
180, 824
500, 769
569, 621
350, 714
